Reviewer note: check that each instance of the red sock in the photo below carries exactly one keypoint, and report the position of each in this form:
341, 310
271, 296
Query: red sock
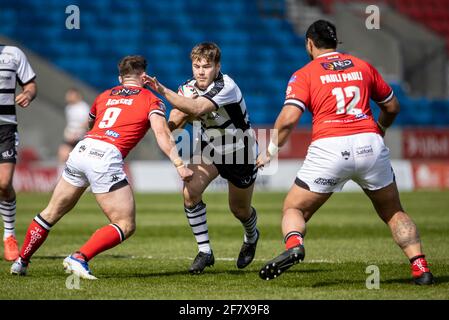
419, 265
36, 234
102, 240
293, 239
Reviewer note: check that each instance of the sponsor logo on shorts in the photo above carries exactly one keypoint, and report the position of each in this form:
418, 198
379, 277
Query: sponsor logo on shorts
112, 133
8, 154
364, 151
95, 153
345, 154
69, 172
326, 182
114, 178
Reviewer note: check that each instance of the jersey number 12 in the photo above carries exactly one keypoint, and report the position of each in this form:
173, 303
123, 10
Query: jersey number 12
350, 92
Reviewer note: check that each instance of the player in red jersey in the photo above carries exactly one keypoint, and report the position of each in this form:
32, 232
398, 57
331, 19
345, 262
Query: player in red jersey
119, 118
346, 144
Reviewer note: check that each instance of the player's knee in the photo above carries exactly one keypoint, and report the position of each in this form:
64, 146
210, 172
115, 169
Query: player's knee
191, 198
5, 185
240, 211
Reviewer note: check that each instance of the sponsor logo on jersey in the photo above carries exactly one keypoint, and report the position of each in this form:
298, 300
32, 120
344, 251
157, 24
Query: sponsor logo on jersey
112, 133
326, 182
337, 65
82, 148
289, 90
5, 77
162, 106
5, 60
213, 116
361, 116
113, 102
125, 92
292, 79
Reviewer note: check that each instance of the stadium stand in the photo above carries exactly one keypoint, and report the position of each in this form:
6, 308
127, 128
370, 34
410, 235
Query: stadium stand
260, 53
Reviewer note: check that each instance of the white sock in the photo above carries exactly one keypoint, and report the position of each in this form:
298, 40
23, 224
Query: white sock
8, 211
198, 223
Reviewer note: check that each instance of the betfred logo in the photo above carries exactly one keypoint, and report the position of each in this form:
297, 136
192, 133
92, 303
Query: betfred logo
114, 102
338, 65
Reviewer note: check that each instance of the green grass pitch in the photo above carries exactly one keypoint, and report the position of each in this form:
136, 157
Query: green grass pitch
344, 237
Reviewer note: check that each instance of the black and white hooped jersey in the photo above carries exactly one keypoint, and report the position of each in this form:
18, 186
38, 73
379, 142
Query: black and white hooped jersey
230, 117
14, 68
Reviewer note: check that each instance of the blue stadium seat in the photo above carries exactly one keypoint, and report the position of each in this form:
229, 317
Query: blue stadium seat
260, 50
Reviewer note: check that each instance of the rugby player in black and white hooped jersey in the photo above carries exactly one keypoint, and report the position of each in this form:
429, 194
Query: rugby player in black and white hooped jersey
14, 68
228, 147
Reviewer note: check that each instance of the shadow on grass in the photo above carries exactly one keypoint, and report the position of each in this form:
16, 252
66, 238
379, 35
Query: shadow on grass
438, 280
208, 272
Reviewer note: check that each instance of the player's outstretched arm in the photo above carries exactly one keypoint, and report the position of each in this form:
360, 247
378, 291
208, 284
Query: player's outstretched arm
194, 107
178, 119
29, 92
166, 142
284, 125
389, 111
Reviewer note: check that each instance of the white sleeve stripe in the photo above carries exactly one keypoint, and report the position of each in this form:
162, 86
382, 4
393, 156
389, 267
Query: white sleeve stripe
295, 102
156, 111
388, 98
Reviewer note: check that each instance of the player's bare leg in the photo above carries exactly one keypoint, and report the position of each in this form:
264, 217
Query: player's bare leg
63, 152
8, 211
299, 206
63, 199
240, 205
119, 208
405, 233
195, 210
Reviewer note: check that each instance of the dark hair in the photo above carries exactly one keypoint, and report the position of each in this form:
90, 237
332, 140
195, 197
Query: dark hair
132, 65
323, 34
206, 50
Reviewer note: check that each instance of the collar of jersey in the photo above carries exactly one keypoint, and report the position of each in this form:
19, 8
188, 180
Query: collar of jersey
327, 54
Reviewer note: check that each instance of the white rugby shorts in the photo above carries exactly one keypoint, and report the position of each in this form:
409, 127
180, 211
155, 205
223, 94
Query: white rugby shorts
95, 163
331, 162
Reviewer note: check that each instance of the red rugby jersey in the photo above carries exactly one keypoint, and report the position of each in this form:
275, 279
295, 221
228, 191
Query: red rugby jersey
122, 116
336, 89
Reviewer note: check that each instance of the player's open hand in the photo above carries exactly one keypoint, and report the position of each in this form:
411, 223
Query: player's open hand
263, 159
153, 83
185, 173
24, 99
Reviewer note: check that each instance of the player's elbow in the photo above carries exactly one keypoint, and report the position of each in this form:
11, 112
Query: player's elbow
392, 106
199, 112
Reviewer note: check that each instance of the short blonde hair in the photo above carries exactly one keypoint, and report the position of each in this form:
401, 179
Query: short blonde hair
206, 50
